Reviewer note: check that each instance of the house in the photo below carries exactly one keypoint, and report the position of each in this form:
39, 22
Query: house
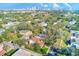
22, 52
26, 33
25, 52
46, 14
43, 24
31, 42
72, 21
75, 34
33, 14
1, 31
2, 51
38, 41
1, 46
66, 15
41, 36
8, 25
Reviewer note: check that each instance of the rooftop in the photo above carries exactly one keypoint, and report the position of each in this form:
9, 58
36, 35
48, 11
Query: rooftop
22, 52
38, 41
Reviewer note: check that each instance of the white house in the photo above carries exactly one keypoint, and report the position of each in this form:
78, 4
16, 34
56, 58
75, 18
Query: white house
1, 31
8, 25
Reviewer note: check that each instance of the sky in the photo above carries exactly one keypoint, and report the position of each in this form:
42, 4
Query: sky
68, 6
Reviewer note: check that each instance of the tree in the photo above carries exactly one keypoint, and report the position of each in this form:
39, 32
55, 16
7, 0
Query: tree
37, 48
1, 40
18, 35
65, 51
21, 26
60, 43
75, 52
47, 41
20, 42
6, 48
44, 50
0, 25
37, 30
5, 21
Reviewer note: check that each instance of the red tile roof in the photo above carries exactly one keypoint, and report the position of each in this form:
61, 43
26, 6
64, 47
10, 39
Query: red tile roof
38, 41
2, 52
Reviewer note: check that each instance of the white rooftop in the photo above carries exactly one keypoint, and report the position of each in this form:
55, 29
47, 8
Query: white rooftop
22, 52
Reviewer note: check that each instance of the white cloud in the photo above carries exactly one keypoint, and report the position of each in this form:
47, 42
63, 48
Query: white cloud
55, 5
44, 5
68, 5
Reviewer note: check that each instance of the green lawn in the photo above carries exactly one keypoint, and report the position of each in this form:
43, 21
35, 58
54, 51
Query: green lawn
11, 52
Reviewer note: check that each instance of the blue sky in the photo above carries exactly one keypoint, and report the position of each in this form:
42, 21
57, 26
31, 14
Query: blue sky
73, 6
